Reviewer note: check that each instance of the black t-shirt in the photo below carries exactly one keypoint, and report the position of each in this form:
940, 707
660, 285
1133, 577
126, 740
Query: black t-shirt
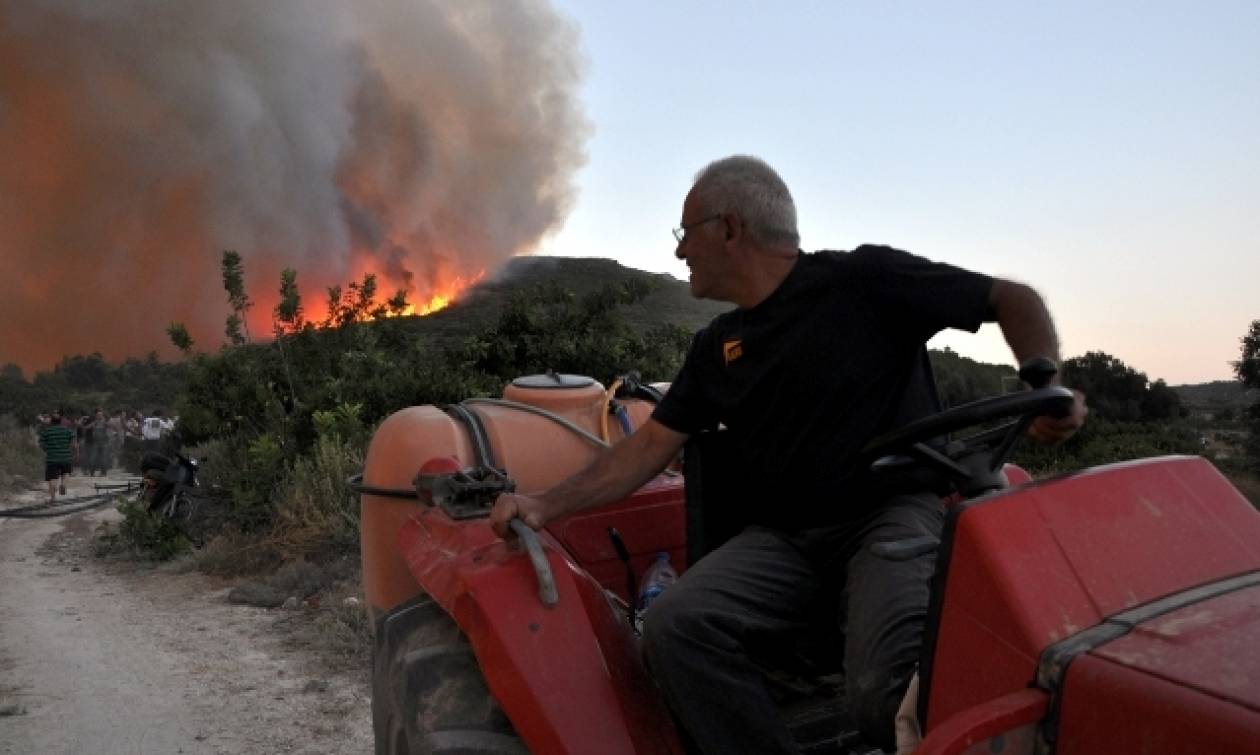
831, 359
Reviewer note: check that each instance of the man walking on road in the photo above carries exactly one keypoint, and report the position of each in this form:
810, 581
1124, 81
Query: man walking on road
60, 450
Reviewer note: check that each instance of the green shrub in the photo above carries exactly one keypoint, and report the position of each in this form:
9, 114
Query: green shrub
21, 460
315, 511
285, 423
1104, 441
343, 422
255, 487
144, 534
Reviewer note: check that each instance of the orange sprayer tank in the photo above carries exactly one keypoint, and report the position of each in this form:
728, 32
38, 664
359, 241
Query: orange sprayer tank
535, 450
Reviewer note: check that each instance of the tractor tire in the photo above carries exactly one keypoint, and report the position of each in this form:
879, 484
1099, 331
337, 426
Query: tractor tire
428, 695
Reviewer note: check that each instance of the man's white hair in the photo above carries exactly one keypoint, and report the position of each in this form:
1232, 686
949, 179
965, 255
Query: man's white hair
750, 188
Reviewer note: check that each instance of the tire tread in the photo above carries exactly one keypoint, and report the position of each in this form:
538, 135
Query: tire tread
428, 694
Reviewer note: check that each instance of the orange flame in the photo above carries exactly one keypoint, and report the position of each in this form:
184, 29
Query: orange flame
443, 292
443, 295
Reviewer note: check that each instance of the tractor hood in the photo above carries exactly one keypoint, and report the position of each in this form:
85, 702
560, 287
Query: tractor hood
1210, 646
1186, 680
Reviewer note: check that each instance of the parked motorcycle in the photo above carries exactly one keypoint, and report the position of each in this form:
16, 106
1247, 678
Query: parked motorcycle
170, 489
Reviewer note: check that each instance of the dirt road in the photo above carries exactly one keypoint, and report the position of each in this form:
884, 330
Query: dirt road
107, 657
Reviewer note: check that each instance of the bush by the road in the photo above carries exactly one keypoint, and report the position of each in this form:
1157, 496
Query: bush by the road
21, 460
143, 534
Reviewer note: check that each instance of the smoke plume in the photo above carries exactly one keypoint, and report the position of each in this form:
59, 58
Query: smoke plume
418, 139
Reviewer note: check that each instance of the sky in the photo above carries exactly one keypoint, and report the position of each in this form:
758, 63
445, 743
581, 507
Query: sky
1108, 154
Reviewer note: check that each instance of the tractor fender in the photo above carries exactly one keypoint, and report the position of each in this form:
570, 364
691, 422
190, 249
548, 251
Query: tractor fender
568, 676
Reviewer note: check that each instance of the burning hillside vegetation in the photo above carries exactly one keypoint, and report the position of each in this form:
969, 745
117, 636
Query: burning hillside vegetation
424, 142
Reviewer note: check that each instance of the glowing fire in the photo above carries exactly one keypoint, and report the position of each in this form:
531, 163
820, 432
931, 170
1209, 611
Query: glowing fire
444, 295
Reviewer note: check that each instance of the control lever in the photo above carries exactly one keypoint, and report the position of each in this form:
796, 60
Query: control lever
547, 591
632, 584
463, 493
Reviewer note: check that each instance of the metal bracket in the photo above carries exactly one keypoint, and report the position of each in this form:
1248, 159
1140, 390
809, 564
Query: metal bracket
466, 494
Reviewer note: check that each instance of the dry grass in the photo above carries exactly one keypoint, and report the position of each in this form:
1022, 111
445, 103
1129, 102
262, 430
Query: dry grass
316, 514
320, 606
339, 626
315, 518
236, 554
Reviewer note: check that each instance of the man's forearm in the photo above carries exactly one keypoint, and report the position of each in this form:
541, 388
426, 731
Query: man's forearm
613, 475
616, 472
1029, 331
605, 479
1025, 321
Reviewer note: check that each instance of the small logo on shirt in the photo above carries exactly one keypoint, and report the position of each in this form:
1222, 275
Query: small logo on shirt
732, 350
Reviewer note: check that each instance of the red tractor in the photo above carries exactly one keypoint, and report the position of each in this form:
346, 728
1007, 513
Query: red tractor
1115, 610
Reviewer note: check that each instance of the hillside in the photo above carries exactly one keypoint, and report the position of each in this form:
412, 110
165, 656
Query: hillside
1216, 396
669, 302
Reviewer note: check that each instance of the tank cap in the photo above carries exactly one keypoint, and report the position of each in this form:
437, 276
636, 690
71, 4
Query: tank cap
553, 380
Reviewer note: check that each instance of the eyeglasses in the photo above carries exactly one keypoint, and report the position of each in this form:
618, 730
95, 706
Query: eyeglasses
680, 233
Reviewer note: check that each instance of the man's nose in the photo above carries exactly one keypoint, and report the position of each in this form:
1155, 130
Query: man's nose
678, 250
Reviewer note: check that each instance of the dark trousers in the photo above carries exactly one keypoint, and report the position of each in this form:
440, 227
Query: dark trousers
763, 595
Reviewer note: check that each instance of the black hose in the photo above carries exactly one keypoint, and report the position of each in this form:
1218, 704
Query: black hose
355, 483
49, 510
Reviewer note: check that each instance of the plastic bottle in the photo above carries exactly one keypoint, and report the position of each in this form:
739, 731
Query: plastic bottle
659, 575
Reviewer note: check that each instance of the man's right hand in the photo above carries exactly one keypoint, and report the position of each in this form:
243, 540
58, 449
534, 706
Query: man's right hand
528, 509
1051, 430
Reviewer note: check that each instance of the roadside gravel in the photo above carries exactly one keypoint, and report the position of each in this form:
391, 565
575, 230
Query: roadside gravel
115, 657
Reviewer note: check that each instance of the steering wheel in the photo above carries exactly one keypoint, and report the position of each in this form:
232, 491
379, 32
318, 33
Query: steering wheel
974, 463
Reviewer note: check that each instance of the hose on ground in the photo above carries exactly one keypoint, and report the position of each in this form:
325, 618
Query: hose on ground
48, 510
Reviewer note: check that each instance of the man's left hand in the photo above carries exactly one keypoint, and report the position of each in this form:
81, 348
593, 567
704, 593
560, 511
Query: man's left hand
1050, 430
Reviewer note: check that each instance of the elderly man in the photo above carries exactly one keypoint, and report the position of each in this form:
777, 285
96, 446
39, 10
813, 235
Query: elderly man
822, 353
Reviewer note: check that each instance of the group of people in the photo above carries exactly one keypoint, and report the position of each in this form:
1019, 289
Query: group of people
94, 442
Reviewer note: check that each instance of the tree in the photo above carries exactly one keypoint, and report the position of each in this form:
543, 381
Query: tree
358, 303
288, 312
549, 328
234, 284
960, 380
335, 306
180, 337
1160, 402
363, 304
397, 303
89, 372
232, 329
1114, 389
15, 393
1247, 368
